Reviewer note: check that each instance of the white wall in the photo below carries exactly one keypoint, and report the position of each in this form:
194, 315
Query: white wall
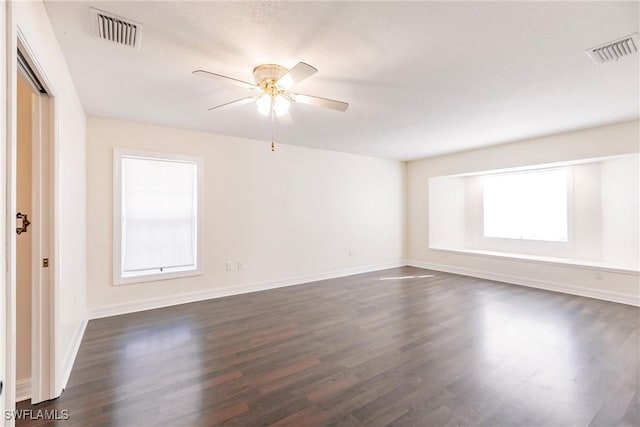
70, 173
586, 213
622, 138
290, 213
447, 213
621, 210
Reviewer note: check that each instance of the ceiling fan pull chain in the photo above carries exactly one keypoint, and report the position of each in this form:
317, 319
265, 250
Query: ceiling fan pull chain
273, 146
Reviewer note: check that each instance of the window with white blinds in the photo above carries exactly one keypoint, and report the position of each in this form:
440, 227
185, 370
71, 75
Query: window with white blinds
157, 214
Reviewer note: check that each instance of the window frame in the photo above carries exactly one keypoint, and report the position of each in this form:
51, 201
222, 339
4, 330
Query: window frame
118, 155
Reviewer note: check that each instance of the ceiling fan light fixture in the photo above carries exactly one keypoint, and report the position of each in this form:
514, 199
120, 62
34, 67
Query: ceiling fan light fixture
264, 105
280, 105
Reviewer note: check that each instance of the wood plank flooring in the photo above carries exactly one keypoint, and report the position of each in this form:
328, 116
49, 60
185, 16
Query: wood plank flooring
401, 347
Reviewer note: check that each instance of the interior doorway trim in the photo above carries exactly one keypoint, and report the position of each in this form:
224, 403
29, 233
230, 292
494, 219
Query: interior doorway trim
7, 239
41, 278
44, 363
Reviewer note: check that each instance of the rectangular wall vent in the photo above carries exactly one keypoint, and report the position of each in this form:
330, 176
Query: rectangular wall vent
116, 29
614, 50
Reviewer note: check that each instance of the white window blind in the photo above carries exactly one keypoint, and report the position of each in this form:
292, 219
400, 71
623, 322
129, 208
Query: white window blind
528, 205
159, 207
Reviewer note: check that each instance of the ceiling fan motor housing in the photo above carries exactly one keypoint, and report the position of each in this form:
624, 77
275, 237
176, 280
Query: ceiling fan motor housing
266, 76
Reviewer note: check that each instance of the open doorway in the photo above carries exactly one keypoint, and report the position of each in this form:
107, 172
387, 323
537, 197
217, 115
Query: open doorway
34, 240
25, 92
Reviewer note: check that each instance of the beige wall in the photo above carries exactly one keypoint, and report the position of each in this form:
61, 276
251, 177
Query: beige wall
69, 258
283, 214
602, 141
23, 241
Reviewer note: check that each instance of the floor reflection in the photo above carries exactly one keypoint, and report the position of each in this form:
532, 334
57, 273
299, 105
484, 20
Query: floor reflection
533, 356
157, 339
151, 359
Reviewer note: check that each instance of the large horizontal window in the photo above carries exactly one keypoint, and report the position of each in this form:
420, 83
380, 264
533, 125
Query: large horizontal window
156, 216
530, 205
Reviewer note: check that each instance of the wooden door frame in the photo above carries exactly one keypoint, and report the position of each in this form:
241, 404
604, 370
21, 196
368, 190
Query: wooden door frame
46, 381
7, 153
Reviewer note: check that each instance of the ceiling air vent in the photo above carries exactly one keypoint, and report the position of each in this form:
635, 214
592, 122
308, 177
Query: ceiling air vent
614, 50
116, 29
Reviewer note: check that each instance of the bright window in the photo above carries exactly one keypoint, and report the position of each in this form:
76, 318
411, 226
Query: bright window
529, 205
157, 215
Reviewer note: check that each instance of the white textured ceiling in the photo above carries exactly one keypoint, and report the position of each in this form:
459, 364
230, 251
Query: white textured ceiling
422, 78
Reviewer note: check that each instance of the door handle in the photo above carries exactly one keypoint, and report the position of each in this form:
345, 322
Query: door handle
25, 223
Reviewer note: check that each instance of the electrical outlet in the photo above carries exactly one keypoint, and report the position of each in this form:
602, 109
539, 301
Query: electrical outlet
240, 265
229, 266
350, 252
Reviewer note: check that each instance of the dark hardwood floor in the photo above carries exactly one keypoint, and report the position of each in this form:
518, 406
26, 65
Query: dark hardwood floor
421, 349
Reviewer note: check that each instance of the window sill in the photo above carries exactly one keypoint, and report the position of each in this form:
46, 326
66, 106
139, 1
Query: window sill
564, 262
156, 277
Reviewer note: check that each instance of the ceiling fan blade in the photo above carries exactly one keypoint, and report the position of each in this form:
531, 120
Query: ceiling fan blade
236, 103
319, 102
298, 73
214, 76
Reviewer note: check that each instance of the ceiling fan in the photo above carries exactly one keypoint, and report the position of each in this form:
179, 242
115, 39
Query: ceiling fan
272, 86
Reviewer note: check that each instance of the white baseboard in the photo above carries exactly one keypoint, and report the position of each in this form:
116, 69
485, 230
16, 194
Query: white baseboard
23, 389
187, 297
612, 296
70, 355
